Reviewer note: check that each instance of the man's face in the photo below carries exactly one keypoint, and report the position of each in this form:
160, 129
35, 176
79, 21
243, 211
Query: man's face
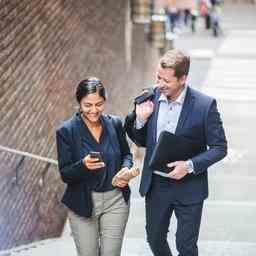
168, 83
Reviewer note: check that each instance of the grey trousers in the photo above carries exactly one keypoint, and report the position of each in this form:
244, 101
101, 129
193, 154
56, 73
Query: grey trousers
102, 234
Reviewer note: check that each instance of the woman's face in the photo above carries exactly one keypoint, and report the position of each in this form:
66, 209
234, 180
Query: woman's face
92, 106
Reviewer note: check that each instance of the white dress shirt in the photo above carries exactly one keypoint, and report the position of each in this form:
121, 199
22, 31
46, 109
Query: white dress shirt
167, 120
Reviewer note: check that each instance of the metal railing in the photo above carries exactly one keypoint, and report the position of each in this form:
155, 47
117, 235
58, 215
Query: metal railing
26, 154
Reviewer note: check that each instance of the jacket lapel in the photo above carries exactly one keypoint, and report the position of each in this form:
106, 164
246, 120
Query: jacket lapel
112, 132
109, 126
186, 109
153, 120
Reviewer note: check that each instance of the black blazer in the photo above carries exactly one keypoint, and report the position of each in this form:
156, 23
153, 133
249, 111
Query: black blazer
77, 196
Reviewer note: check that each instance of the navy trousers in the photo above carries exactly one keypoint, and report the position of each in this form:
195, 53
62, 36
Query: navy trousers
161, 202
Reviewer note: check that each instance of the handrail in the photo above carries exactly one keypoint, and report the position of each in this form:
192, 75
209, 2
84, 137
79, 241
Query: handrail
26, 154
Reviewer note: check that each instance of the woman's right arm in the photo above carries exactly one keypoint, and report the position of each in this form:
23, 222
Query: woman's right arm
70, 172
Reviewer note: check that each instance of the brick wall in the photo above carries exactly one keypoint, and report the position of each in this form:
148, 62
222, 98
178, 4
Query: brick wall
46, 47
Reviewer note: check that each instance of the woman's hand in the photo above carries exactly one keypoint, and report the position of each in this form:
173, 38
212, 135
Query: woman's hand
121, 179
92, 163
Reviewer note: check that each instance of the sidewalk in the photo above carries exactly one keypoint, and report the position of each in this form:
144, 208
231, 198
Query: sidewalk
131, 247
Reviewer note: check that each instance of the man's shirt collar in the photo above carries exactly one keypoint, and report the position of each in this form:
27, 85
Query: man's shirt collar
179, 100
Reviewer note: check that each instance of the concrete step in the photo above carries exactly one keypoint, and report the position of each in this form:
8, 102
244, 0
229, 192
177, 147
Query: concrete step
138, 247
131, 247
239, 43
224, 220
225, 187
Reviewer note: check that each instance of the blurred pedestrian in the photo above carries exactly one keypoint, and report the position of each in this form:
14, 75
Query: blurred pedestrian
173, 14
182, 12
186, 7
215, 14
204, 9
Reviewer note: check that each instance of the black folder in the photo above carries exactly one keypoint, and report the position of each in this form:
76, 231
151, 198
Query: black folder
171, 148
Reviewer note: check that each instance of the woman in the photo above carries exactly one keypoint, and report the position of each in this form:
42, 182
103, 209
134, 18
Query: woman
98, 212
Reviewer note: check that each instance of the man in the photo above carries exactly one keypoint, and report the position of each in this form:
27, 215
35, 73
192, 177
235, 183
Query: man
184, 111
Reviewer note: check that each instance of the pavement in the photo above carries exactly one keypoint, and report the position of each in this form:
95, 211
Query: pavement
222, 67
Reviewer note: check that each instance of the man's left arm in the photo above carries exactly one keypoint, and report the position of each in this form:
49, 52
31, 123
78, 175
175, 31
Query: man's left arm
215, 139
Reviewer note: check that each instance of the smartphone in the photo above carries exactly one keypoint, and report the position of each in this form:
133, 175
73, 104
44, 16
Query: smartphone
94, 154
147, 94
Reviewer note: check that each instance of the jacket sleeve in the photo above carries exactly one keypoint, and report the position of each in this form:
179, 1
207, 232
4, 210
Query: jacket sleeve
215, 139
71, 172
138, 136
126, 156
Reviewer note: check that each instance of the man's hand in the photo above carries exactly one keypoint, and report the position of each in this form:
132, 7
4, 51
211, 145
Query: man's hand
179, 171
144, 110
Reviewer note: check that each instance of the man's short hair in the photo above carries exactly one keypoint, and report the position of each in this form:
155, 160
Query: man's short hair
176, 60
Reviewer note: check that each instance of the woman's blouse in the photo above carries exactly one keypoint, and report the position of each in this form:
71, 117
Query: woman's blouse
101, 178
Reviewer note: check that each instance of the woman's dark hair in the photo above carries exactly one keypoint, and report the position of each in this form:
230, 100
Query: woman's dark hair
90, 85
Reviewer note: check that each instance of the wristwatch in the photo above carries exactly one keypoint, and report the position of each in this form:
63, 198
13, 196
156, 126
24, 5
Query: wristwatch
190, 166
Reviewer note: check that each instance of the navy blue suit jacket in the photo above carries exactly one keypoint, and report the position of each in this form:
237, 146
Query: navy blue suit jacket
200, 121
77, 196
